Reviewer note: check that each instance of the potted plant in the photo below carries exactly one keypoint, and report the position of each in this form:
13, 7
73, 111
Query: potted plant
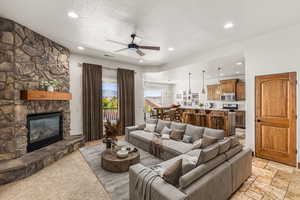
112, 130
49, 85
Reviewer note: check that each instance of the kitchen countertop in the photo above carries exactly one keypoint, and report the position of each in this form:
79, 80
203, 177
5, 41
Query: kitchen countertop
198, 108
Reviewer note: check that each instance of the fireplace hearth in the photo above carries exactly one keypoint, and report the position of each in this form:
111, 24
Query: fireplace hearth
44, 129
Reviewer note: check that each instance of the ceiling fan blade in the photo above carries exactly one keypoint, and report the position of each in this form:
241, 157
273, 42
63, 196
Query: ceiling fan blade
150, 47
116, 42
120, 50
140, 52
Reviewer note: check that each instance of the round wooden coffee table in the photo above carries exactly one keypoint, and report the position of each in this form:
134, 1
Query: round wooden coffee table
112, 163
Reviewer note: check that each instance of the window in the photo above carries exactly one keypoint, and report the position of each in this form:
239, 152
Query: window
110, 100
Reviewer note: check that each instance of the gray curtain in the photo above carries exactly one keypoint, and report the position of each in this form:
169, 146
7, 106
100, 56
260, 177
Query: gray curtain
92, 102
126, 97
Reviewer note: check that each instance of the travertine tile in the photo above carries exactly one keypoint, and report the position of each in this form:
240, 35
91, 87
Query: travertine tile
280, 166
267, 190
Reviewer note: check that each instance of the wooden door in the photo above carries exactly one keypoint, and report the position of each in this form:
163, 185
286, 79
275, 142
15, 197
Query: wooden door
240, 91
276, 117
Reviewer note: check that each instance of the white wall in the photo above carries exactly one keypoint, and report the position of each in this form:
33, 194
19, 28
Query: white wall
76, 88
277, 52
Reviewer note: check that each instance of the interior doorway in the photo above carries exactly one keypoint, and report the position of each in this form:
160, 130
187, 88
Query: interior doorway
276, 117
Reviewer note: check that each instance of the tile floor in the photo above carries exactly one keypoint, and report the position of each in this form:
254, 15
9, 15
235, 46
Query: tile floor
270, 181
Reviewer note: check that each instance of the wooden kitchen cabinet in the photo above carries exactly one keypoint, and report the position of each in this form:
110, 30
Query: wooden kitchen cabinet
213, 92
228, 86
240, 91
240, 119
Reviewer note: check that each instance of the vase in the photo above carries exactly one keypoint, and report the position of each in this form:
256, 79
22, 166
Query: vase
50, 88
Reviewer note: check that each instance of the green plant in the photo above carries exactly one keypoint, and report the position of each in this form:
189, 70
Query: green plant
53, 82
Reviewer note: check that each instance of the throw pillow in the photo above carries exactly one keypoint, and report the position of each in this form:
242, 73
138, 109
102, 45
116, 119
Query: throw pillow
224, 145
197, 144
187, 139
176, 125
207, 141
140, 126
173, 173
176, 134
166, 130
150, 127
165, 136
161, 124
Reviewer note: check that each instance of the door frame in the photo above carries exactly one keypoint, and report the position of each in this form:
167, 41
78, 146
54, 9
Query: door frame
295, 164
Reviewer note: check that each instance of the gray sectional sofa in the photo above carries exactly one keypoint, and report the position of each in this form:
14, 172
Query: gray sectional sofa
222, 169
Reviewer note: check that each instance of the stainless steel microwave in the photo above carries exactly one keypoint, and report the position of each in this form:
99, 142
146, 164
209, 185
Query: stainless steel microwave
227, 97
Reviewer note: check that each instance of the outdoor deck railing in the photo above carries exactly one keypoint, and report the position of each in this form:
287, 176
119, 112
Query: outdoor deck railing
110, 114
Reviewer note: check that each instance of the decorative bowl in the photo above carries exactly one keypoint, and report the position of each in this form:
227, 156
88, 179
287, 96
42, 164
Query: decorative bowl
122, 153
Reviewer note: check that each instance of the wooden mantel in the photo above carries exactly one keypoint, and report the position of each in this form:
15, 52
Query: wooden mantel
39, 95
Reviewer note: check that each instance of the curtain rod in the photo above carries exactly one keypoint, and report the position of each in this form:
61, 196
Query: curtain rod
105, 67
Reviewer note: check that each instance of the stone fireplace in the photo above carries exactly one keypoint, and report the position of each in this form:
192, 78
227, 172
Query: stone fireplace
30, 130
26, 59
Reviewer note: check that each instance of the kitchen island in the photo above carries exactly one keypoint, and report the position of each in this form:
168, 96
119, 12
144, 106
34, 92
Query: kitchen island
212, 118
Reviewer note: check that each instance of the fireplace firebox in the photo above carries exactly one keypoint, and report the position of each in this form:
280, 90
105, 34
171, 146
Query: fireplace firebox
44, 129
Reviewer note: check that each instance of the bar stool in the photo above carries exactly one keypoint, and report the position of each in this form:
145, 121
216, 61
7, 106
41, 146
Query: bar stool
201, 119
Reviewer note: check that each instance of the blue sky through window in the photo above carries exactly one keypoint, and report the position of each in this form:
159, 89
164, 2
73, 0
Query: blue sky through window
109, 90
152, 93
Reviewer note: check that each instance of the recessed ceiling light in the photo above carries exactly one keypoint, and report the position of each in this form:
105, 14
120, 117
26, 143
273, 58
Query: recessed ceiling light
171, 49
73, 15
237, 72
221, 74
141, 61
239, 63
228, 25
80, 48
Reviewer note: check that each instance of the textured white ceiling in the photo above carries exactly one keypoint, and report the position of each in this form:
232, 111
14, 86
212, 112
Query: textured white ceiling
190, 26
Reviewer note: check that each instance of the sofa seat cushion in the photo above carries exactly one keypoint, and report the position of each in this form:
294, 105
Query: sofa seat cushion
195, 131
200, 171
177, 147
142, 135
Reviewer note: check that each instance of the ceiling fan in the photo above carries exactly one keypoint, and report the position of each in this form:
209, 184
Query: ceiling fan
134, 46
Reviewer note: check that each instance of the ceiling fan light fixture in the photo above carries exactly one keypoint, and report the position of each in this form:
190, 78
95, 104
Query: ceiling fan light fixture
73, 15
171, 49
80, 48
228, 25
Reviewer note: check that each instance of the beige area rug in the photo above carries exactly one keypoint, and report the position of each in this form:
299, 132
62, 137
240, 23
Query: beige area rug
67, 179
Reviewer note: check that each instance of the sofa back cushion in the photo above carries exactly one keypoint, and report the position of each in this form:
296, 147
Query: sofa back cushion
195, 131
224, 145
208, 153
173, 173
161, 124
196, 173
150, 127
233, 151
234, 141
219, 134
179, 126
151, 121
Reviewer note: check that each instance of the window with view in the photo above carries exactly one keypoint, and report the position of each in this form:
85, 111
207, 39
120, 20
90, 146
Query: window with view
110, 100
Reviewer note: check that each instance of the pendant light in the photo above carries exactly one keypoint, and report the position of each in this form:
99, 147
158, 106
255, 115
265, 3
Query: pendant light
203, 87
189, 90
